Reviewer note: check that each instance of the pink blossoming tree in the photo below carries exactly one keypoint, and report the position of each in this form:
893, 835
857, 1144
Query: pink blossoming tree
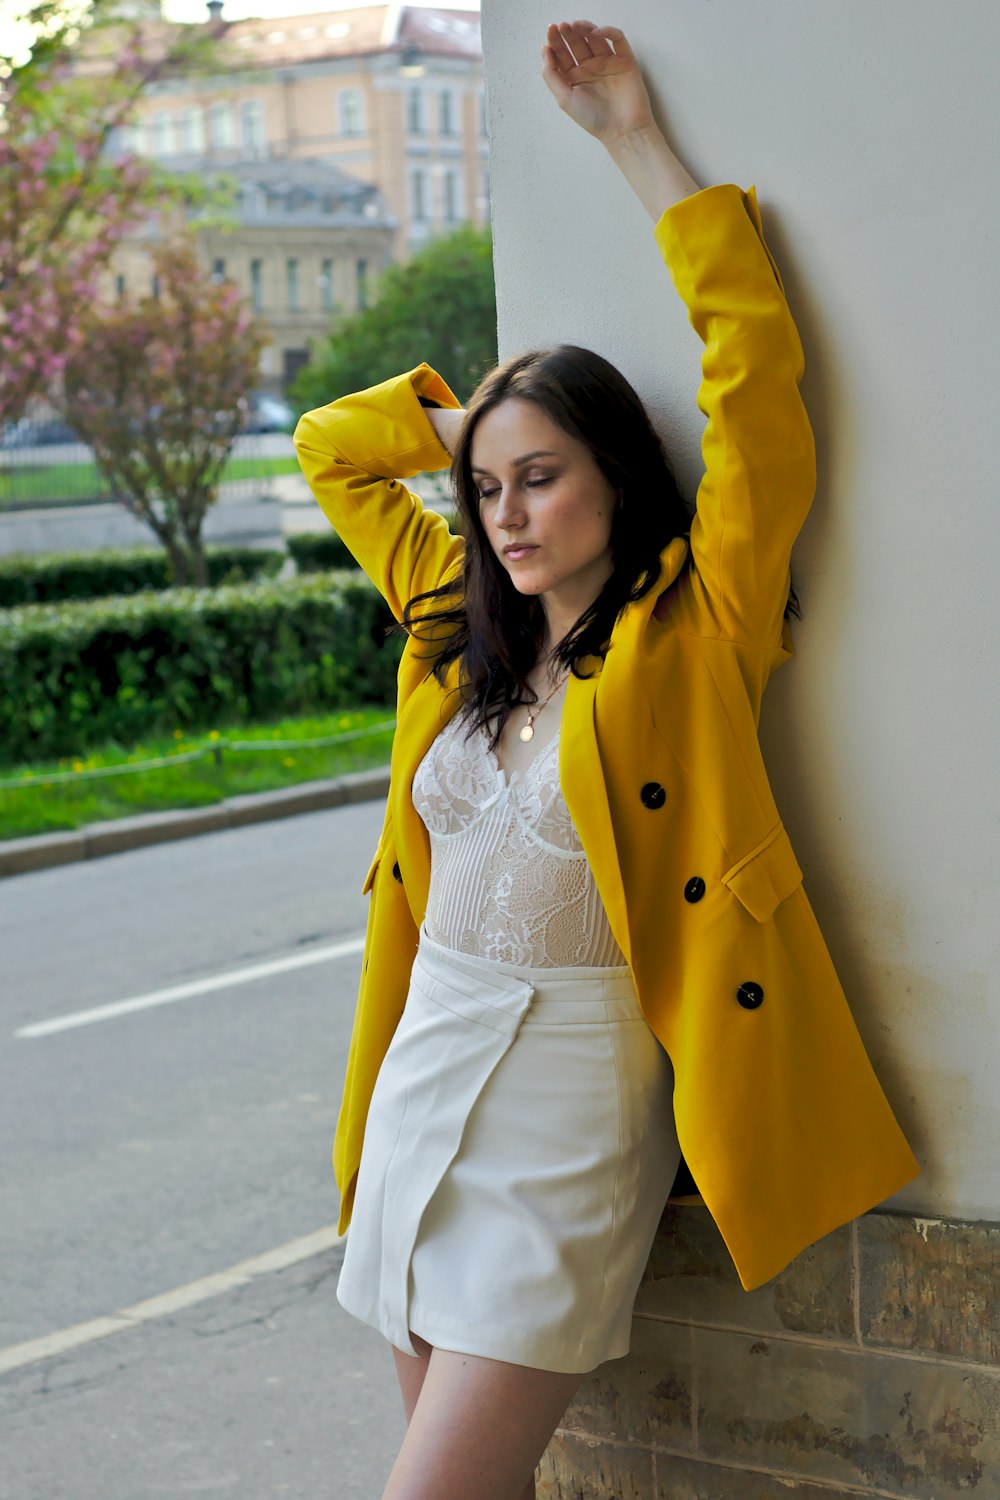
66, 201
157, 388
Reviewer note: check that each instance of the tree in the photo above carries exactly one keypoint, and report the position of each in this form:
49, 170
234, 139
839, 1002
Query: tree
439, 307
157, 388
65, 202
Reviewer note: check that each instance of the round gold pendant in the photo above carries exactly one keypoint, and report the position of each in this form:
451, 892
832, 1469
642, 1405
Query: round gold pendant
527, 733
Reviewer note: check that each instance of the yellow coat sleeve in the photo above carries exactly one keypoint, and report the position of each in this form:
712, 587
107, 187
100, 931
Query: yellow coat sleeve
760, 468
354, 453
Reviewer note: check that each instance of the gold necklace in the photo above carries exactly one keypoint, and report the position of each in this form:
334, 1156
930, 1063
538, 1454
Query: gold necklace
528, 732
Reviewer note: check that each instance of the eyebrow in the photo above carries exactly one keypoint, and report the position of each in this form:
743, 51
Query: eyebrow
524, 459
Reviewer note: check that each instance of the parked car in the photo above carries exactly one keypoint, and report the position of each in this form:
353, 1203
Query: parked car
268, 414
28, 434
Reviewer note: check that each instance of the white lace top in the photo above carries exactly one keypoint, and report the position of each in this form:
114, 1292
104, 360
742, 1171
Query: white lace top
509, 878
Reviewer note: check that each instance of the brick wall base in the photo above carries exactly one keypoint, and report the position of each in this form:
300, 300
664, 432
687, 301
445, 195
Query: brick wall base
871, 1366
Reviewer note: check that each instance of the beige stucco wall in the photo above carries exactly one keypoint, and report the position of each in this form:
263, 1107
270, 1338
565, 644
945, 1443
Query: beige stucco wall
871, 132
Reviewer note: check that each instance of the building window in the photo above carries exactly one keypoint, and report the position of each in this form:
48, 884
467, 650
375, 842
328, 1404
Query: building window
415, 111
292, 282
221, 133
446, 112
192, 130
326, 286
130, 138
120, 288
257, 285
163, 135
252, 123
218, 270
449, 191
350, 112
292, 361
418, 194
154, 288
253, 200
362, 275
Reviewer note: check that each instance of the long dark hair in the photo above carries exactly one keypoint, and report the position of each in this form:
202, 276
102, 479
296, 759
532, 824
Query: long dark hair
478, 617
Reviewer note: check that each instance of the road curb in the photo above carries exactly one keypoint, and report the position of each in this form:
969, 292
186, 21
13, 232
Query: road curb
43, 851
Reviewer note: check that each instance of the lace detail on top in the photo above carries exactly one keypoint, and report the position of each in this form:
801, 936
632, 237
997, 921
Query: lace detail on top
509, 878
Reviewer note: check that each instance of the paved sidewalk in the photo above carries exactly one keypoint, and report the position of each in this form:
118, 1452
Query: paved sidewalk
41, 851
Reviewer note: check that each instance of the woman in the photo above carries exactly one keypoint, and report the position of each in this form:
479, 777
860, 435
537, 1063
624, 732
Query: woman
588, 944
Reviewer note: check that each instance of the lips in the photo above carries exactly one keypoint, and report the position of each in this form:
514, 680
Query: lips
518, 551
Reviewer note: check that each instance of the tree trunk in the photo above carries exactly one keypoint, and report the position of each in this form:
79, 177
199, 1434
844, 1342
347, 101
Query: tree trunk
180, 562
198, 562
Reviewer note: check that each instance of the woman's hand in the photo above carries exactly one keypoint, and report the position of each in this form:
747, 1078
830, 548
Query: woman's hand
447, 423
594, 77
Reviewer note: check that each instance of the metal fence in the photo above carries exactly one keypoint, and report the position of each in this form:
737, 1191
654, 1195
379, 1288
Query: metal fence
44, 465
216, 752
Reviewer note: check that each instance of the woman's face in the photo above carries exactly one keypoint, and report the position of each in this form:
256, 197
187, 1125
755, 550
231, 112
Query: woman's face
545, 505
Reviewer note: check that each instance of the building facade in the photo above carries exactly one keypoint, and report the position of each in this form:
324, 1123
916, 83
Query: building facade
349, 138
303, 241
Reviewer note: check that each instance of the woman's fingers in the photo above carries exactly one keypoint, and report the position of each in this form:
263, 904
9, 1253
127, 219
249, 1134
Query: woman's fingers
615, 37
564, 58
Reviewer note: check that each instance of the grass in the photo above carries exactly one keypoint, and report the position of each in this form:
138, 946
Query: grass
27, 809
72, 484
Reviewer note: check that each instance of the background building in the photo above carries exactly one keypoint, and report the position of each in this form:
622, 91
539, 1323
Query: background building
353, 136
303, 240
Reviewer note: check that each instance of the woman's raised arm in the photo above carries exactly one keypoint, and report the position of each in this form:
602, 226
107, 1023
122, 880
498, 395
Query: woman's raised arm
594, 77
757, 444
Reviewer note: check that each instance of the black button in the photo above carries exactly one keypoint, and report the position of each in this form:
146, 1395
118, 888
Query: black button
750, 995
695, 889
653, 795
396, 874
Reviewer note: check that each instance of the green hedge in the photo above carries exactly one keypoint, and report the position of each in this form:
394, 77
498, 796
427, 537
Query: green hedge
319, 551
76, 675
51, 577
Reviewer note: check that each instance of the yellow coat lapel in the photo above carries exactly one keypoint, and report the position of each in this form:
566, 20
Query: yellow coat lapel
582, 777
424, 714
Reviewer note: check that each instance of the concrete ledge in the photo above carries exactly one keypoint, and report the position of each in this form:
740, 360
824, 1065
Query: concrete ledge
42, 851
152, 828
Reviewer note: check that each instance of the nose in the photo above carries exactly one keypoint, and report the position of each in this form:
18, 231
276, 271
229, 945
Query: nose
509, 514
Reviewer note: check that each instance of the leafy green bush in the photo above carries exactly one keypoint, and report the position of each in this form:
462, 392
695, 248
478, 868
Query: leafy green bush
439, 306
49, 577
317, 551
76, 675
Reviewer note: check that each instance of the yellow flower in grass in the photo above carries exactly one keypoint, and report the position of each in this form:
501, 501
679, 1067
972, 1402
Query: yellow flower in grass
78, 765
213, 734
289, 760
178, 734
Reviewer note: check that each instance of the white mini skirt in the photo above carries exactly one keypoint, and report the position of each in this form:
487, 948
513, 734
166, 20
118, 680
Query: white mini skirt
519, 1148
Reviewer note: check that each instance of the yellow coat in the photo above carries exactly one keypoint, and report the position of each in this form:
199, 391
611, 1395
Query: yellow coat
779, 1114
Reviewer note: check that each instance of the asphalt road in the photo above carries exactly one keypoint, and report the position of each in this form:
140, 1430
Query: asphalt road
151, 1149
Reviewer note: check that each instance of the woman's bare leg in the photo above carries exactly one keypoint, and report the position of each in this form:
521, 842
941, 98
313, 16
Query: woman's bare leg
410, 1373
477, 1429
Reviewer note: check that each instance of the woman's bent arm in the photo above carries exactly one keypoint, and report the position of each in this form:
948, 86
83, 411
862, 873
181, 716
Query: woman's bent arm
355, 452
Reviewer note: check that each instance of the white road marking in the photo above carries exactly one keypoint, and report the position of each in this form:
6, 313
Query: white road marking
16, 1355
195, 987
